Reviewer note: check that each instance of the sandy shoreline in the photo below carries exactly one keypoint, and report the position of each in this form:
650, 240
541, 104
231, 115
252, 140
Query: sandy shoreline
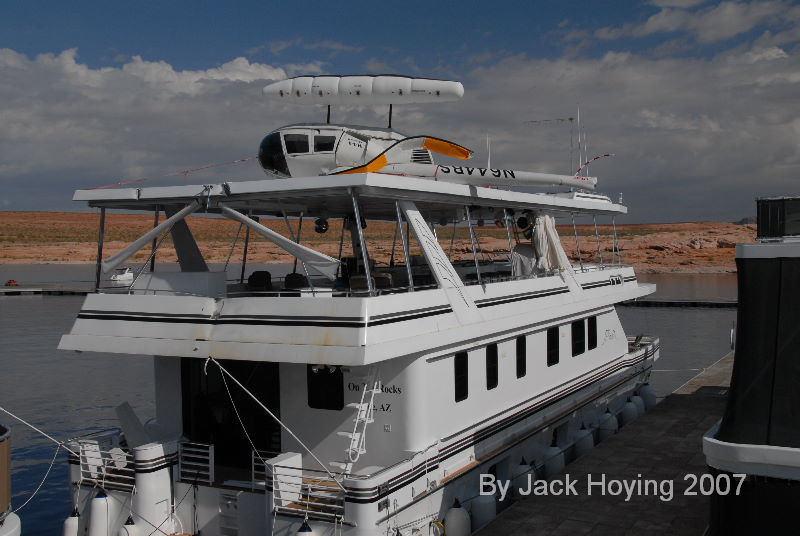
71, 238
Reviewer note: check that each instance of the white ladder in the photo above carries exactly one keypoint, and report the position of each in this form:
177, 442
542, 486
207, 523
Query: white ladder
364, 416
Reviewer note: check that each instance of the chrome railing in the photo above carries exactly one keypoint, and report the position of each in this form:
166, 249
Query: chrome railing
105, 465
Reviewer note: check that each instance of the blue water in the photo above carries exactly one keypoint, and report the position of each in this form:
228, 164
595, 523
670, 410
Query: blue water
69, 393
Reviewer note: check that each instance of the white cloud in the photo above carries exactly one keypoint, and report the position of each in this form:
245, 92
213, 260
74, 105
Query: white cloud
706, 25
334, 46
276, 47
685, 131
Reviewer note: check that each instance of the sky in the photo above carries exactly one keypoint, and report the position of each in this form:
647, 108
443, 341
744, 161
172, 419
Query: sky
698, 101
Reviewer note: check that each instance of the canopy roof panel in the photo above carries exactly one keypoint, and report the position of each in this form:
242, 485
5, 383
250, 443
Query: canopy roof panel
330, 196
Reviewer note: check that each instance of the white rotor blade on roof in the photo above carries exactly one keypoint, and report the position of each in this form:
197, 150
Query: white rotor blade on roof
363, 89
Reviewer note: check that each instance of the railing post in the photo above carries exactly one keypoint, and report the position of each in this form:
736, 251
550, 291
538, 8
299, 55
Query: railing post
364, 257
474, 252
405, 248
100, 248
597, 237
577, 242
153, 246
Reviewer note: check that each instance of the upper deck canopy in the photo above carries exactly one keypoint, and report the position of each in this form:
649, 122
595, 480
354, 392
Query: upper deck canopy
330, 195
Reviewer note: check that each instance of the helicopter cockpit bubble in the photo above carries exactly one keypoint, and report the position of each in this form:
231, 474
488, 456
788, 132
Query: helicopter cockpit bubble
299, 151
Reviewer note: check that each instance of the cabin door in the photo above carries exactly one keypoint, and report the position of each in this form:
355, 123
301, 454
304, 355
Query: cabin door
209, 415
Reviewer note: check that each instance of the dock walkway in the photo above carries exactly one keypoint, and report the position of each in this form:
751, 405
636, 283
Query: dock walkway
663, 444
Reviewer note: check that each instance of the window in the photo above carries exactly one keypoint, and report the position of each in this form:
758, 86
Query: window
592, 327
522, 354
296, 143
491, 366
325, 387
324, 144
578, 337
461, 376
552, 346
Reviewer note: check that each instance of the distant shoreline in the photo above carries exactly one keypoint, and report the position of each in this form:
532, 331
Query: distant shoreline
71, 238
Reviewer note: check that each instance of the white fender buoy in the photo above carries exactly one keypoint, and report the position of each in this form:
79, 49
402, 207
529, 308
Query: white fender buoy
102, 514
584, 442
607, 426
456, 520
648, 394
11, 525
640, 405
629, 413
553, 462
305, 529
70, 527
128, 529
521, 474
484, 510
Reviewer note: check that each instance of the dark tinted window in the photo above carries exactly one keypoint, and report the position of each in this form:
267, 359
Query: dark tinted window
592, 328
271, 157
325, 387
461, 370
295, 143
552, 346
578, 337
491, 366
324, 143
522, 355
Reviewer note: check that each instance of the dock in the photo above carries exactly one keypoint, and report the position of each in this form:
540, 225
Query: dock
663, 444
47, 290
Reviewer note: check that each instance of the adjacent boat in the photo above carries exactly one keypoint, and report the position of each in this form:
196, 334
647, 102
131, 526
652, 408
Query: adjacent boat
753, 453
363, 393
9, 521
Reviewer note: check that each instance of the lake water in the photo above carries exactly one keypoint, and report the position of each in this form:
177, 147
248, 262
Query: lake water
66, 393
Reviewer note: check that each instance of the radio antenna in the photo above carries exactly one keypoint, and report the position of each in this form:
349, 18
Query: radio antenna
558, 120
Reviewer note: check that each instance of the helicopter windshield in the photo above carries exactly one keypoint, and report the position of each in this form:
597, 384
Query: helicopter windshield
271, 157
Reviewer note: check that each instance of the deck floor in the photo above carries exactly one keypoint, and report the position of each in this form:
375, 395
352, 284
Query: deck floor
665, 443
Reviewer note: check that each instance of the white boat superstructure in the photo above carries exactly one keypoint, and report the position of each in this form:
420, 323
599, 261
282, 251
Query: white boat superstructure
352, 397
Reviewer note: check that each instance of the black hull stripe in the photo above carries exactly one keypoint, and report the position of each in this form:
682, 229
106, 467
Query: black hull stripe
510, 299
605, 283
258, 320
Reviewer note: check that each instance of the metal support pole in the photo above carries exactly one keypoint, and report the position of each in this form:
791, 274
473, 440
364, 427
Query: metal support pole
452, 239
341, 243
615, 246
597, 237
507, 221
233, 246
394, 243
100, 247
474, 252
328, 120
299, 231
577, 242
390, 116
153, 247
405, 248
246, 244
364, 257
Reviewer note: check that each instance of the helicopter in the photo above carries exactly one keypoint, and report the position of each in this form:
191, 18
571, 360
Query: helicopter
315, 149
